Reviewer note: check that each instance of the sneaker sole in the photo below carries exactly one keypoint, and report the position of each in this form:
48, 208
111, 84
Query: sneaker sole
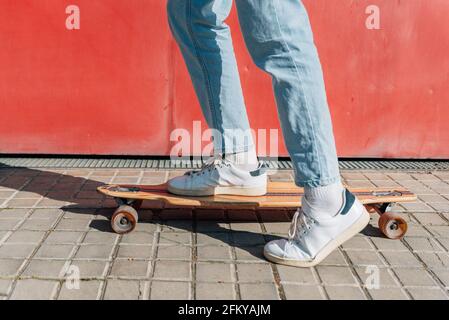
355, 228
237, 191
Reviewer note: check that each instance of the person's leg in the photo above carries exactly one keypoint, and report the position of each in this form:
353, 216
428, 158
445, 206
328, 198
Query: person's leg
205, 42
280, 40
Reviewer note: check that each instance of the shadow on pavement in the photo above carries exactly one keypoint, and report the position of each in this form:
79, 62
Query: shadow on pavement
55, 186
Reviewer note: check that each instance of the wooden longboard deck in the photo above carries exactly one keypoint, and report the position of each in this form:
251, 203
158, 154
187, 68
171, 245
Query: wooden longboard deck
280, 195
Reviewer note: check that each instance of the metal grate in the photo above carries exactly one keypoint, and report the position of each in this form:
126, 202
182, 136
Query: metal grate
165, 163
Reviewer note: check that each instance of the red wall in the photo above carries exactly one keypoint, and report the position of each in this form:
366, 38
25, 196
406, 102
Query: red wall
119, 86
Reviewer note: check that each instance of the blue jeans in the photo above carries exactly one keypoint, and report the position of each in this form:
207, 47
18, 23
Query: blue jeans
280, 40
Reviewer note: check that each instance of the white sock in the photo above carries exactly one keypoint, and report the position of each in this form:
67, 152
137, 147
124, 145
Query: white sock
323, 201
246, 160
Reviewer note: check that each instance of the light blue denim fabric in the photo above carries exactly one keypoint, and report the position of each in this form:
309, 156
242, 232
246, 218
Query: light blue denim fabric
280, 40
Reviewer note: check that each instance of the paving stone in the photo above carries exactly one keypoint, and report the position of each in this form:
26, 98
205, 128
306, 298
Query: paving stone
444, 242
427, 294
55, 251
5, 286
177, 226
345, 293
37, 224
435, 259
22, 203
247, 239
216, 243
443, 175
440, 231
414, 277
174, 252
384, 244
254, 272
88, 290
246, 253
90, 269
125, 180
128, 173
214, 272
442, 207
10, 267
353, 175
170, 290
358, 243
32, 289
214, 253
138, 238
50, 214
122, 290
368, 273
173, 270
25, 236
423, 244
94, 252
443, 275
364, 258
387, 294
97, 237
259, 291
45, 269
6, 194
213, 238
179, 238
415, 230
215, 291
80, 214
246, 227
134, 251
335, 275
432, 198
64, 237
430, 219
16, 250
301, 292
9, 224
416, 207
334, 258
212, 226
401, 258
360, 184
73, 224
13, 213
130, 268
372, 175
297, 275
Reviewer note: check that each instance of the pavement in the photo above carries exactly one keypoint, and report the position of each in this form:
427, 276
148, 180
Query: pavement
56, 243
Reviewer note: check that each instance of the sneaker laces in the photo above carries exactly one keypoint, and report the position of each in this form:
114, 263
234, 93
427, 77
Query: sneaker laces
300, 225
210, 164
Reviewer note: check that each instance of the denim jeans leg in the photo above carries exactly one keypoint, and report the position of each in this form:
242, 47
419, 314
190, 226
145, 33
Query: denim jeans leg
206, 44
280, 40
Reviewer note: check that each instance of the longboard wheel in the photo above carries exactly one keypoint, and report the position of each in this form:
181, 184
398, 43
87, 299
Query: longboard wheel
124, 219
392, 225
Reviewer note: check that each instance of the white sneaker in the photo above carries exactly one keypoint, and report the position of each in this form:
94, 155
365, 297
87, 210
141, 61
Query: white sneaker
220, 176
312, 239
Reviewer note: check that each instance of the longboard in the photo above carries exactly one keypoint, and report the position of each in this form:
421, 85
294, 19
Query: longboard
280, 195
